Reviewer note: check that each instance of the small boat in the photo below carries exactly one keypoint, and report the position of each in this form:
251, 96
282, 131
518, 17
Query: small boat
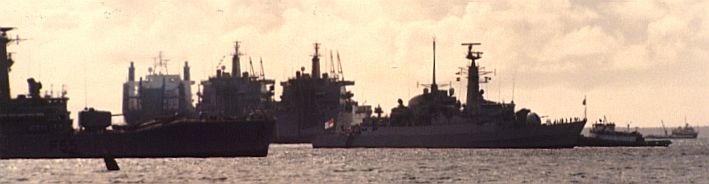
686, 132
604, 134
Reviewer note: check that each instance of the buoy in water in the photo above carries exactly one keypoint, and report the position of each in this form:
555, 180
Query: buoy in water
111, 163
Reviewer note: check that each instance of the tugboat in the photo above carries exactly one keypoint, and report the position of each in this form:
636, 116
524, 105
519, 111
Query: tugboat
604, 134
686, 132
35, 126
237, 95
310, 100
436, 119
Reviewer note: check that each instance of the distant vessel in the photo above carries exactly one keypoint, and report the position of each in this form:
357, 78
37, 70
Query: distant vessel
686, 132
236, 95
436, 119
604, 134
310, 100
159, 95
35, 126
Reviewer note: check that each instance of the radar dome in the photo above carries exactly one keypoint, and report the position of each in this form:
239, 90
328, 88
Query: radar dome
533, 118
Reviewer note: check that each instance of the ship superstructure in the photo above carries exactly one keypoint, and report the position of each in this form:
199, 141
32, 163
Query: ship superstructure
312, 101
235, 94
29, 113
158, 95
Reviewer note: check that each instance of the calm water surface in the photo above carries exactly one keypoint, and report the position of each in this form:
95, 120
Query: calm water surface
685, 161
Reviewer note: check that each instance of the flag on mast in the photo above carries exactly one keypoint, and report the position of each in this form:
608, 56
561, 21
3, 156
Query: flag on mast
329, 123
584, 100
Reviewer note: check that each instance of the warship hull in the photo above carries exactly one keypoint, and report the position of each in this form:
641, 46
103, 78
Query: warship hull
181, 138
457, 136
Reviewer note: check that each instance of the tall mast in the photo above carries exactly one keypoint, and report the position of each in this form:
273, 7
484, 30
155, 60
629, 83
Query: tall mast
434, 87
473, 96
5, 63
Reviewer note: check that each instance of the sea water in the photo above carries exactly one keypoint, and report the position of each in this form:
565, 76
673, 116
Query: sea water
685, 161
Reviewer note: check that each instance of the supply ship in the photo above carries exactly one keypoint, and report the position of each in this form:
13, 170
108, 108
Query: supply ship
436, 119
236, 95
159, 95
310, 100
36, 126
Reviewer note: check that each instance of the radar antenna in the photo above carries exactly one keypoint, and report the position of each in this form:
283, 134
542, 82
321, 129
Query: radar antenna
17, 38
472, 55
160, 64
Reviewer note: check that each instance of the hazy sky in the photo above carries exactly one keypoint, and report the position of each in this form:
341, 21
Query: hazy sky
636, 61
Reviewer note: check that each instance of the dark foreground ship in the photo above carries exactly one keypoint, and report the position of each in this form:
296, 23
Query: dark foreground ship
604, 134
436, 120
311, 100
35, 126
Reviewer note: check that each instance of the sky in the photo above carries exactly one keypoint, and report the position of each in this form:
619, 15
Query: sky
636, 62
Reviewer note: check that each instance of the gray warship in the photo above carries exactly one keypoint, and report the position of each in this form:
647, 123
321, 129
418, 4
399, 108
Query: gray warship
236, 95
36, 126
435, 119
310, 100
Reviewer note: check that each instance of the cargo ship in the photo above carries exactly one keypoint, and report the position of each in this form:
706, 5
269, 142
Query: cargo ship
436, 119
310, 100
36, 126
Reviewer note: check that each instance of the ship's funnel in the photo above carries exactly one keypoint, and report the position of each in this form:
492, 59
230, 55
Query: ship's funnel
186, 71
131, 72
235, 61
316, 62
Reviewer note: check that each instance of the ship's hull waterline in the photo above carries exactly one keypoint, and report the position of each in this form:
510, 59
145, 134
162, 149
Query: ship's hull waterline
458, 136
179, 139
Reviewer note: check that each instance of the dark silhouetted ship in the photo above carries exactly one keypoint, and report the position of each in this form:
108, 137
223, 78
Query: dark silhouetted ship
35, 126
436, 119
311, 100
